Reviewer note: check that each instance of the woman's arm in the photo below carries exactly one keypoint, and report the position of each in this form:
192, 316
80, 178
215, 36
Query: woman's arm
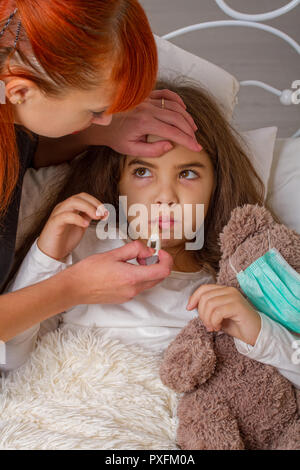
35, 268
276, 346
101, 278
27, 307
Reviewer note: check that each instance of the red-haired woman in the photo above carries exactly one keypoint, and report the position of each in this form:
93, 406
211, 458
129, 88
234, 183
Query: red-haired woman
75, 74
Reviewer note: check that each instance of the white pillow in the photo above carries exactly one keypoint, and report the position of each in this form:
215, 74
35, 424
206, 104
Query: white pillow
174, 61
284, 184
260, 145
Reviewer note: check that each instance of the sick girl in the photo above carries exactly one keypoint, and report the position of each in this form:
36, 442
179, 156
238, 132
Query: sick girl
220, 177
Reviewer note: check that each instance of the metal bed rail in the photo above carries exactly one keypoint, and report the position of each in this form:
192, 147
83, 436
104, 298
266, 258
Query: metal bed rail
288, 96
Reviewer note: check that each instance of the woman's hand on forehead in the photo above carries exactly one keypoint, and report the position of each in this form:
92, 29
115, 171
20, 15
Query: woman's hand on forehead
127, 134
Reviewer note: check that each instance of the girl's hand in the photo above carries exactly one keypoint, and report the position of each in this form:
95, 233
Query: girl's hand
68, 223
127, 134
225, 308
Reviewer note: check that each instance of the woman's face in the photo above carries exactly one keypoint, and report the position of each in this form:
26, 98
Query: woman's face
163, 186
57, 117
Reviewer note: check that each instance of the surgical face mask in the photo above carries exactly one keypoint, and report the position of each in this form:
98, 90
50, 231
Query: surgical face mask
273, 287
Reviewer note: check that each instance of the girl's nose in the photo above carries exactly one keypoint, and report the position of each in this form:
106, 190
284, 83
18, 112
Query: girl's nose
166, 197
164, 203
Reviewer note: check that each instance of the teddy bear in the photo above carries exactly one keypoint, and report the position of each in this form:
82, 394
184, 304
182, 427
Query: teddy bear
229, 401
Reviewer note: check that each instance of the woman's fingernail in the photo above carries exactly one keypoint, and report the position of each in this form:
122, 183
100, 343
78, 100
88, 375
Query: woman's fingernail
101, 211
188, 306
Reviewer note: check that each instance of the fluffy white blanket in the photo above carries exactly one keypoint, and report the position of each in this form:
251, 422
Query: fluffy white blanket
79, 390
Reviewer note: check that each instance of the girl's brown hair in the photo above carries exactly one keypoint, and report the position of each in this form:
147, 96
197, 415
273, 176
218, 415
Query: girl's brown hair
236, 181
63, 45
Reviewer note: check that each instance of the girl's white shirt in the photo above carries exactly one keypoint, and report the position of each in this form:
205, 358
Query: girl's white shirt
152, 319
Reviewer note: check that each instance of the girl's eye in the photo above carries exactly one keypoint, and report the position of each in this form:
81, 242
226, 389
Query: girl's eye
142, 172
188, 174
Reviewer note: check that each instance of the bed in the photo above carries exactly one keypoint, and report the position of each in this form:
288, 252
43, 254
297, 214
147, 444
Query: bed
81, 391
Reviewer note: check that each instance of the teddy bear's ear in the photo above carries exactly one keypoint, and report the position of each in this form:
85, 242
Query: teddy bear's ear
244, 221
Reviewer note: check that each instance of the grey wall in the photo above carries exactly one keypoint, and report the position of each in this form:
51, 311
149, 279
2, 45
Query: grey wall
246, 53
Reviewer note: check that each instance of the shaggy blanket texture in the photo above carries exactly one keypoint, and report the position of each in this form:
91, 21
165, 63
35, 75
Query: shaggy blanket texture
79, 390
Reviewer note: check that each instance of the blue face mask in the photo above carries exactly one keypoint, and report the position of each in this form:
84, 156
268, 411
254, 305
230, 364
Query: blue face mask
273, 287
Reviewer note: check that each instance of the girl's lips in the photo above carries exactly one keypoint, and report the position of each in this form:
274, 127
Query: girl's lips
165, 218
166, 223
163, 222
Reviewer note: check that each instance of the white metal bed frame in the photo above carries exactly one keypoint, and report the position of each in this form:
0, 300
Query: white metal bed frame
287, 96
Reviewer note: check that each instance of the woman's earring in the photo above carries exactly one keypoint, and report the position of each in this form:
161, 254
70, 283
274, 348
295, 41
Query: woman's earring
19, 102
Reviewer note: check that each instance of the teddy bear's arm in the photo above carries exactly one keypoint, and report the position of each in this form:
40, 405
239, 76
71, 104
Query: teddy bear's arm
190, 359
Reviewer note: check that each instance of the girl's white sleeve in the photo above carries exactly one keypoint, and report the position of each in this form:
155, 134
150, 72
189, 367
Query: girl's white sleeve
276, 346
36, 267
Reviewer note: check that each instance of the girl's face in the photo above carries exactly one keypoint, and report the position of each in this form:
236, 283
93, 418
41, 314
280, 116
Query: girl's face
165, 185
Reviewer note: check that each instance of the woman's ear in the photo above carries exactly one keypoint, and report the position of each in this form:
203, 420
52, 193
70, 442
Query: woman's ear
20, 90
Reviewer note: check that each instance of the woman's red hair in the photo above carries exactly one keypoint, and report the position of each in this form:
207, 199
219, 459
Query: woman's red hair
71, 41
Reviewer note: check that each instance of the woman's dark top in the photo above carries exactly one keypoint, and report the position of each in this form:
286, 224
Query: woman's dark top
27, 146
